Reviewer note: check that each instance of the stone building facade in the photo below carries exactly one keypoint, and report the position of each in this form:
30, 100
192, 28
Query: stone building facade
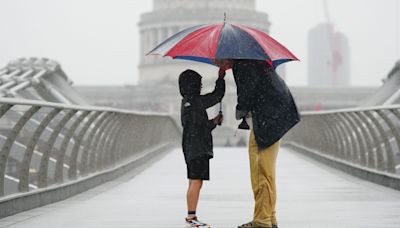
160, 75
170, 16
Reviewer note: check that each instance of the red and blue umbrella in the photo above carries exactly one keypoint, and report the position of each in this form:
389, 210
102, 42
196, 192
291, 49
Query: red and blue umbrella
205, 43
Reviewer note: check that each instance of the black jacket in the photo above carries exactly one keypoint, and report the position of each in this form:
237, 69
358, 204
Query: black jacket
263, 93
196, 138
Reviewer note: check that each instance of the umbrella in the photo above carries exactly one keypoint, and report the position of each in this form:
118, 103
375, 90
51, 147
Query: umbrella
205, 43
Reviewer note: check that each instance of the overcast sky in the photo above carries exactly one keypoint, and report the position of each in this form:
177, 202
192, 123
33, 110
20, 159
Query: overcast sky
96, 41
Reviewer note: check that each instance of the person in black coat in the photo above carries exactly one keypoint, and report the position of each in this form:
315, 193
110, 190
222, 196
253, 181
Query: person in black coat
264, 95
264, 100
197, 141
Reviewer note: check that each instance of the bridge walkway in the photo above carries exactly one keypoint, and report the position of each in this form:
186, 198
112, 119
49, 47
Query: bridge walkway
310, 195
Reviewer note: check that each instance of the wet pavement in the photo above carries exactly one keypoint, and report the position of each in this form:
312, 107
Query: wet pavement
309, 195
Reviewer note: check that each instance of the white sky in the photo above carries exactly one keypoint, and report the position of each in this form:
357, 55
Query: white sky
97, 41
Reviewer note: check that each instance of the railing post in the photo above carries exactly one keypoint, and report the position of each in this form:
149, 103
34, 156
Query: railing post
397, 114
109, 155
347, 149
339, 141
44, 162
355, 136
99, 148
364, 137
391, 155
23, 185
59, 173
93, 148
87, 147
128, 136
381, 161
5, 150
72, 172
114, 147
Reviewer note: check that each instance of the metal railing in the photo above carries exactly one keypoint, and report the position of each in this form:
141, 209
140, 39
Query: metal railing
365, 138
43, 144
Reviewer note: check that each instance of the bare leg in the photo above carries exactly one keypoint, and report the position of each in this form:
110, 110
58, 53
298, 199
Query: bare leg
193, 194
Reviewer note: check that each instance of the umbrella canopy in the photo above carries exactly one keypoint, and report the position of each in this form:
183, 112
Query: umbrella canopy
205, 43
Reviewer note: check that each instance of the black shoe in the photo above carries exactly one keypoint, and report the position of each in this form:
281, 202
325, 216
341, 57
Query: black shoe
274, 226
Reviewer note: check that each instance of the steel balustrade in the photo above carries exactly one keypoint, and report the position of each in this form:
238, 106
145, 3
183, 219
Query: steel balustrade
47, 144
364, 137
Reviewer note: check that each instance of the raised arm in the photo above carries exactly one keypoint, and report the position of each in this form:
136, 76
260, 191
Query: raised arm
216, 96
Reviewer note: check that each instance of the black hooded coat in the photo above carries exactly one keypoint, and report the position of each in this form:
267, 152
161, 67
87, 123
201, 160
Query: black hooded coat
196, 137
265, 95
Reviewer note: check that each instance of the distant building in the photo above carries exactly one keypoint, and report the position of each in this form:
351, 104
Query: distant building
328, 57
158, 76
170, 16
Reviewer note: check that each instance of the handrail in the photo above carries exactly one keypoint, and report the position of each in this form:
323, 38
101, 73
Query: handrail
45, 144
16, 101
368, 137
386, 107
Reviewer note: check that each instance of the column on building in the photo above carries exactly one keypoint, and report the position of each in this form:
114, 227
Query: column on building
143, 45
160, 38
154, 39
148, 41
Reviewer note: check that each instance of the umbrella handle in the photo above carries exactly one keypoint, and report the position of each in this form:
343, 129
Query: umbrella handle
243, 125
220, 110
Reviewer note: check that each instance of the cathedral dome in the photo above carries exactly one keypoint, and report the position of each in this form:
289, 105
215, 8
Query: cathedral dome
170, 16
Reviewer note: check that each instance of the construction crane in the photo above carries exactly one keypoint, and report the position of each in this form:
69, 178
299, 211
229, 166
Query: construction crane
336, 56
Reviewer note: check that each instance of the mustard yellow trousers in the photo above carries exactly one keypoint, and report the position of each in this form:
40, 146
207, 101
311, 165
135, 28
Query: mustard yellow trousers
262, 171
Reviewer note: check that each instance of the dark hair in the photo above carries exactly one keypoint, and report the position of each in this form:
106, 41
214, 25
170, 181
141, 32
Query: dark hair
189, 83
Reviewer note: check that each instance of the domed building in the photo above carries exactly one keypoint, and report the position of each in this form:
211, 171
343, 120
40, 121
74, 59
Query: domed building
158, 76
170, 16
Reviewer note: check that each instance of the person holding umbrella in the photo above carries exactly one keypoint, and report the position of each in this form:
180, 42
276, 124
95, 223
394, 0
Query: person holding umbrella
197, 142
266, 104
